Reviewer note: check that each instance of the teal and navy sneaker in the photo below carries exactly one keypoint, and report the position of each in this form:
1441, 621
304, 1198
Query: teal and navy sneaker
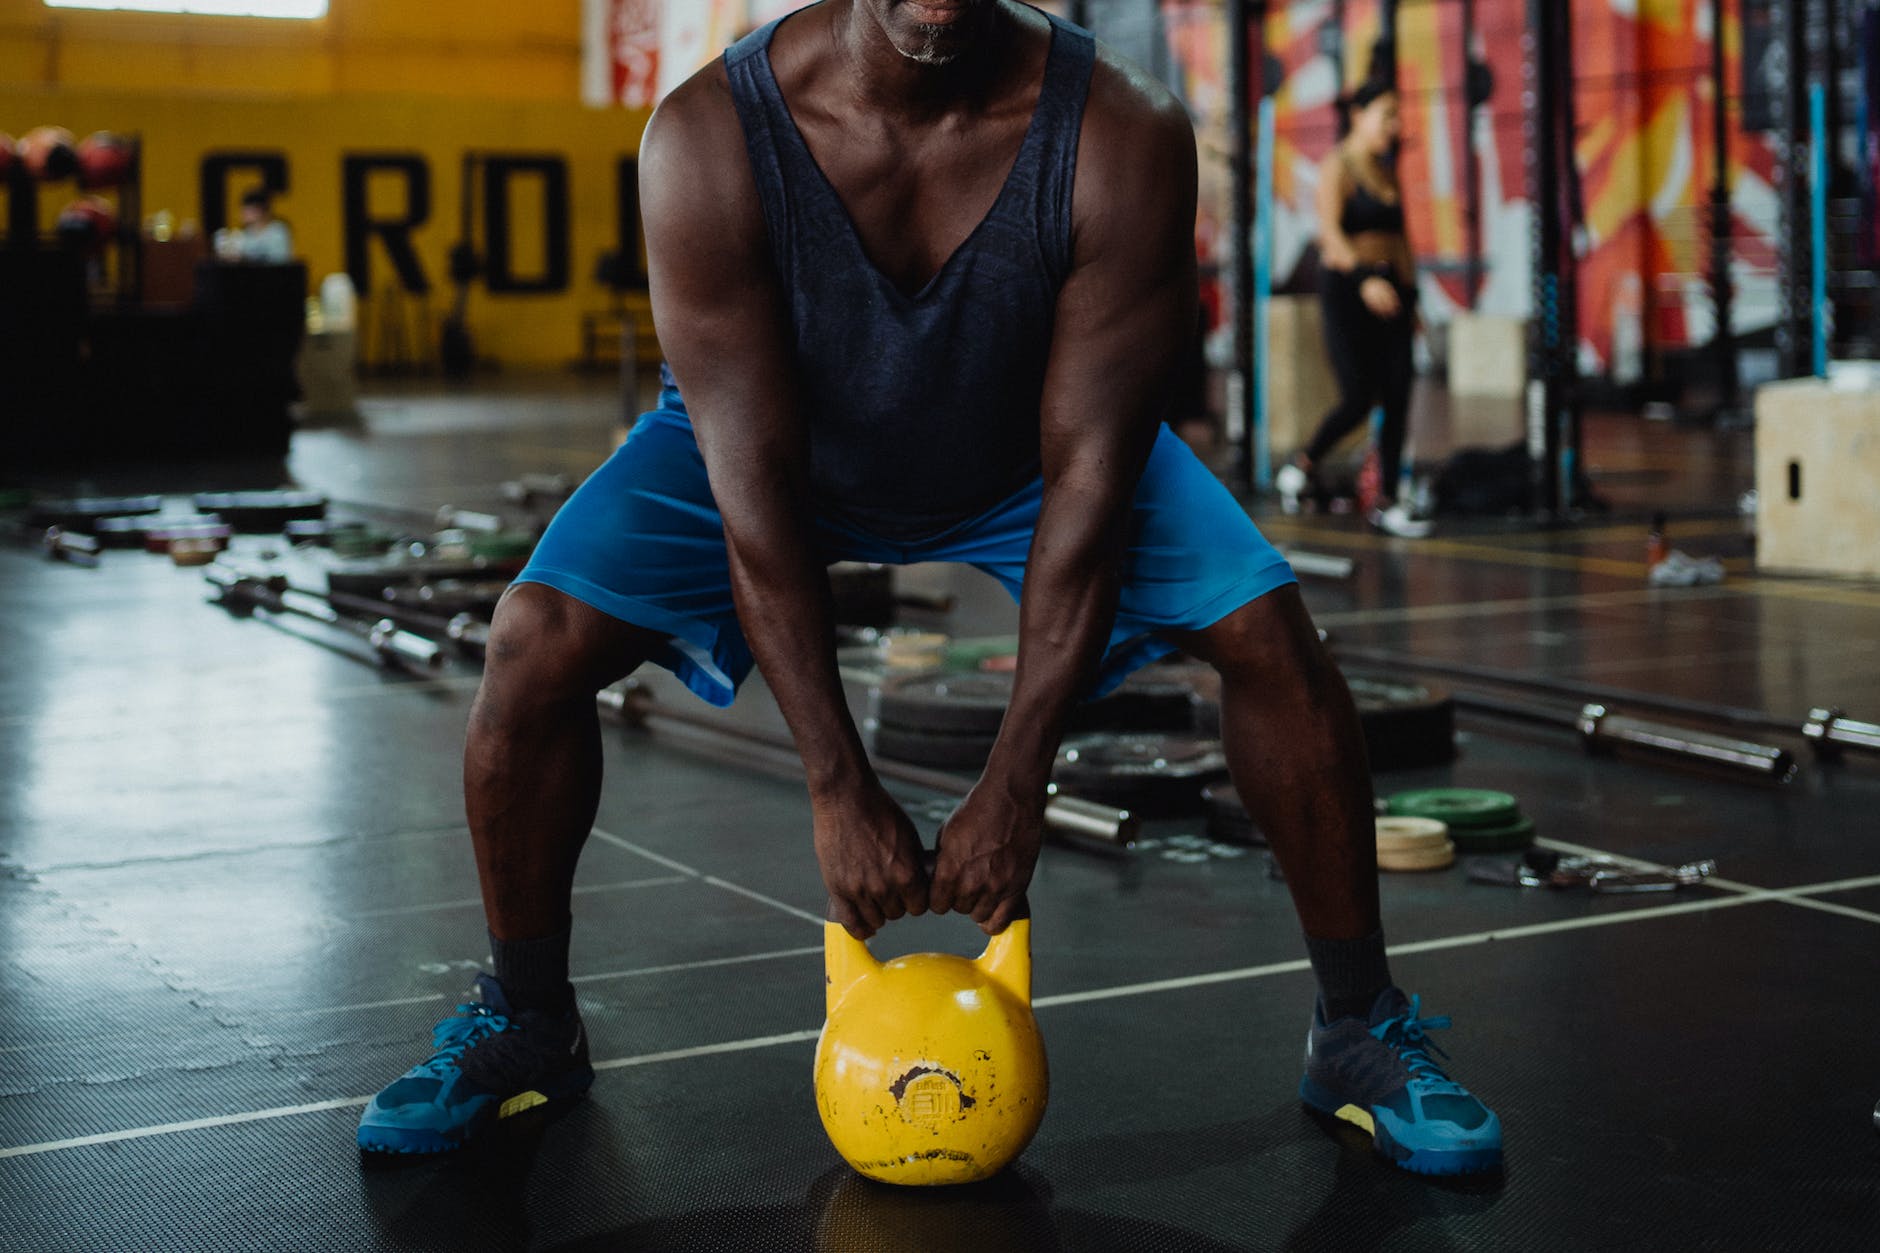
489, 1065
1378, 1075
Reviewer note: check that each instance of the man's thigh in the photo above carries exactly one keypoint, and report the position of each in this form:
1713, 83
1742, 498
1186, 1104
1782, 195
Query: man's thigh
642, 541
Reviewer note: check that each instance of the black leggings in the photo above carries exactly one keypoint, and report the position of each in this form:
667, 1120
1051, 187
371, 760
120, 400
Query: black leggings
1371, 357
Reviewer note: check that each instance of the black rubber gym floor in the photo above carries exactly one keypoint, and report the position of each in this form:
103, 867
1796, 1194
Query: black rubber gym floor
235, 891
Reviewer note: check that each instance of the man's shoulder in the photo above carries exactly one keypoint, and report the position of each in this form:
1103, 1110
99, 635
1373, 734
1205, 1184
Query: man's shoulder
698, 111
1127, 104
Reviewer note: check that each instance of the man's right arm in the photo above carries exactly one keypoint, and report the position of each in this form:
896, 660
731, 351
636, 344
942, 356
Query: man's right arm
722, 319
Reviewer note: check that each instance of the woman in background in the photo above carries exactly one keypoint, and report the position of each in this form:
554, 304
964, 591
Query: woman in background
1367, 291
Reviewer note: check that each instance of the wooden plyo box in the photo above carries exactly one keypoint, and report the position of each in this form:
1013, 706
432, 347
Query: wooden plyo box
1300, 386
1487, 355
1818, 478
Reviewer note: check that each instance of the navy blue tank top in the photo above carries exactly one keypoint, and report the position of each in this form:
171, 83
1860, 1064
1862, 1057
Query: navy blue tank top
922, 409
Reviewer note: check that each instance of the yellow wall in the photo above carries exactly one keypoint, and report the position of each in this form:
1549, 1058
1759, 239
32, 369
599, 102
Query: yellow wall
375, 76
492, 49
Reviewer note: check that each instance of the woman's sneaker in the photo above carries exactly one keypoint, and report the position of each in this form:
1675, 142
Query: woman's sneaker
490, 1064
1291, 482
1378, 1075
1399, 521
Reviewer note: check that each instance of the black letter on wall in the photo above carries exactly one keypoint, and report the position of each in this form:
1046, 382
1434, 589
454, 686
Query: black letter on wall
499, 265
394, 233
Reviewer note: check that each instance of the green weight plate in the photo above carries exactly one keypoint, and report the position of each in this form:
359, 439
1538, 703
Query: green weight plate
502, 546
1515, 835
1458, 806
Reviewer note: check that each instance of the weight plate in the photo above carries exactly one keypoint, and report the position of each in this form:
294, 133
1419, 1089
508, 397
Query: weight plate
83, 512
1441, 857
1410, 834
1458, 806
1154, 775
1150, 755
1156, 699
262, 512
502, 546
1513, 837
1406, 725
929, 748
972, 702
125, 532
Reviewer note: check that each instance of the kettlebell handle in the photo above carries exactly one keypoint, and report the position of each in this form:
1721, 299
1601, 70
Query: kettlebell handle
928, 859
1006, 959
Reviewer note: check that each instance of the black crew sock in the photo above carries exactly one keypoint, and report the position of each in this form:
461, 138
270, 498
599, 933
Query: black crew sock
534, 973
1351, 973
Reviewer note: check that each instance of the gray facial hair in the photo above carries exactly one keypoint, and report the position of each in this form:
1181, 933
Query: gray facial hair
928, 53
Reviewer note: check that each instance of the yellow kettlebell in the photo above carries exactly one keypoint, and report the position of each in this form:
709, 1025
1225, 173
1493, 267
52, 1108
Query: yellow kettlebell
930, 1068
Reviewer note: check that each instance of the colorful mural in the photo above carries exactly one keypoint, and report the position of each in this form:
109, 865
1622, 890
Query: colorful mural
1645, 153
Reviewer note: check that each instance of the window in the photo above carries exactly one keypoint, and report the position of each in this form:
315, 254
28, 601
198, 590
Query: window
220, 8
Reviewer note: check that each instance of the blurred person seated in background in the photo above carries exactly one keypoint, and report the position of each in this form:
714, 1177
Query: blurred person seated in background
263, 238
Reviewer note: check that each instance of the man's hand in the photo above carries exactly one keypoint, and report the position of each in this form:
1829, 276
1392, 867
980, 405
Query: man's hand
871, 863
988, 849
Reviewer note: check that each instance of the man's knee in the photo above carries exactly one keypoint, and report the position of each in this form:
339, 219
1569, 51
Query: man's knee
553, 647
1270, 640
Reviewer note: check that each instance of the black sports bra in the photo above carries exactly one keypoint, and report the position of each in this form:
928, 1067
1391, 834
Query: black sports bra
1364, 211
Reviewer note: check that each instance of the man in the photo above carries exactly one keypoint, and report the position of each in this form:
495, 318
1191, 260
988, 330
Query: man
922, 270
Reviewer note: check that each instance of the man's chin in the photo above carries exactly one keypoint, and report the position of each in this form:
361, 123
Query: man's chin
936, 33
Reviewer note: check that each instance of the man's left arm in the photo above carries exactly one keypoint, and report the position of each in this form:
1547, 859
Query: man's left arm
1123, 317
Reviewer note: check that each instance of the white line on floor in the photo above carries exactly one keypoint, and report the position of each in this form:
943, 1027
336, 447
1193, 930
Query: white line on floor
1616, 918
714, 880
805, 951
661, 881
173, 1128
340, 1009
708, 1050
771, 901
610, 838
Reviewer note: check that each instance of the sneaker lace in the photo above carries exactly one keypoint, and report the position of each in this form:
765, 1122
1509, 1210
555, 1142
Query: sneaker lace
1404, 1034
454, 1036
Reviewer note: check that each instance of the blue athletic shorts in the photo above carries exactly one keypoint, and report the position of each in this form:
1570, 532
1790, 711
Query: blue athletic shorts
642, 541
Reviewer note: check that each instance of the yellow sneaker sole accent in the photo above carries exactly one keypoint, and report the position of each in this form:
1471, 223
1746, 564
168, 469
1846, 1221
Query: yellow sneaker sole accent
529, 1100
1358, 1118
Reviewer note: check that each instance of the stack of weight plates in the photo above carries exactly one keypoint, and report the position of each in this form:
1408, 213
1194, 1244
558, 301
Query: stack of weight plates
944, 720
1413, 844
951, 719
1479, 821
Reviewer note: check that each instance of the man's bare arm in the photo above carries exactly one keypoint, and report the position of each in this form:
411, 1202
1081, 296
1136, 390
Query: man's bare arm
722, 322
1123, 318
